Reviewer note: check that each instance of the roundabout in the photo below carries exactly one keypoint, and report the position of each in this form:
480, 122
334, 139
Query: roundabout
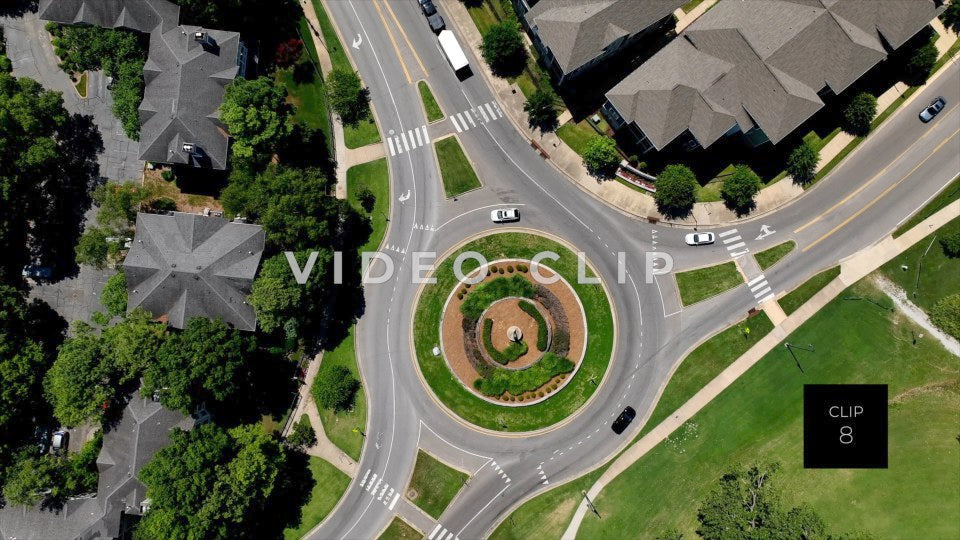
518, 347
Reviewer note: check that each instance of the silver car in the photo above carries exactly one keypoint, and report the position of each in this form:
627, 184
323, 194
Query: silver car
505, 215
700, 239
934, 109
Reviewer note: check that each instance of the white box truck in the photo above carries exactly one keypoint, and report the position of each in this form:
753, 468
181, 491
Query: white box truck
451, 49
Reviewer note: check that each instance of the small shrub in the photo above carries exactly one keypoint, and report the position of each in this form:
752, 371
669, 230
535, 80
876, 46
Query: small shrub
459, 296
494, 268
467, 285
539, 394
946, 315
542, 329
501, 271
491, 291
859, 113
510, 268
167, 175
601, 157
802, 163
951, 244
512, 352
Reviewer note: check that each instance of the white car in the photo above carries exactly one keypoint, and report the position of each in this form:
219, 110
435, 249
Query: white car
700, 239
505, 215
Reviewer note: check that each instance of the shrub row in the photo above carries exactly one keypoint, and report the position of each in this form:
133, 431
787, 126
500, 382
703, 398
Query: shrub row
491, 291
513, 351
542, 334
517, 382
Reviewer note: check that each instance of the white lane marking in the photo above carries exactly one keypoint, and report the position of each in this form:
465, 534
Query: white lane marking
758, 286
739, 253
482, 509
470, 118
492, 114
763, 292
365, 475
732, 239
413, 143
426, 137
462, 121
736, 246
399, 148
497, 107
483, 113
393, 503
727, 233
403, 136
434, 533
455, 124
754, 280
393, 152
375, 486
419, 140
449, 536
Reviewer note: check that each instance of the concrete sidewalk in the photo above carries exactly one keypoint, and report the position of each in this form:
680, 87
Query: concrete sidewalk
851, 270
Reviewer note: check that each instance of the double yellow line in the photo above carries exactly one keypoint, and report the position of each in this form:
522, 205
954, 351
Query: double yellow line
393, 41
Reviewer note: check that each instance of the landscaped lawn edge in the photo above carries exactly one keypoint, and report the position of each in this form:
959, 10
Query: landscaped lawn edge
444, 387
457, 157
696, 299
430, 103
775, 253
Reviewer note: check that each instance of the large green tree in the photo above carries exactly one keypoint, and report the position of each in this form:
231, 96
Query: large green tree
676, 191
802, 163
131, 345
334, 388
348, 98
541, 110
284, 305
740, 188
210, 483
113, 296
78, 384
859, 113
24, 357
601, 157
503, 48
257, 115
951, 16
204, 363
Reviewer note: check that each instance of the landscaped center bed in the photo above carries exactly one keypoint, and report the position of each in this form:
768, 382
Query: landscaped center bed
515, 354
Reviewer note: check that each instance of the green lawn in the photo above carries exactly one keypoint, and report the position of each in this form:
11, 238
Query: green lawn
339, 425
936, 277
455, 169
399, 530
430, 104
769, 257
689, 6
309, 100
81, 85
548, 514
797, 297
374, 176
436, 484
947, 196
576, 135
700, 284
462, 401
705, 363
362, 134
759, 418
330, 485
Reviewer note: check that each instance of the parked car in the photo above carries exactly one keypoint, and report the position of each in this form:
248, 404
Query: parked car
434, 18
34, 271
60, 441
933, 109
505, 215
700, 239
623, 420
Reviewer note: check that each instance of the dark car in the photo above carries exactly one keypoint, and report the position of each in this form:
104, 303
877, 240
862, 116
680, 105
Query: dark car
434, 18
623, 420
933, 109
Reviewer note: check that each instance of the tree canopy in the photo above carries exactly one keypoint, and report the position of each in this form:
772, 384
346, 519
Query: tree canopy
348, 98
951, 16
334, 387
802, 163
113, 296
503, 48
257, 115
541, 110
740, 188
859, 113
601, 157
78, 384
676, 191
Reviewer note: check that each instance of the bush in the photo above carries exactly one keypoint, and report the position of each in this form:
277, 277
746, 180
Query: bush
920, 64
600, 157
802, 163
348, 98
859, 113
113, 297
542, 113
513, 351
503, 49
517, 382
493, 290
951, 244
951, 16
542, 331
288, 52
127, 95
676, 191
302, 435
740, 188
367, 199
92, 248
334, 388
946, 315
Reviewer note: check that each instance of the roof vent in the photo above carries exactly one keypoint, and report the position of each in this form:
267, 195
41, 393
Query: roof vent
200, 36
190, 148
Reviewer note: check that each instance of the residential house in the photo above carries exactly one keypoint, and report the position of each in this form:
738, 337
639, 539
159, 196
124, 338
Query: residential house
575, 36
758, 68
186, 73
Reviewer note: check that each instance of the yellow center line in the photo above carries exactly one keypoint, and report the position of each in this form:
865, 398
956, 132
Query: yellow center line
405, 38
393, 42
881, 195
867, 183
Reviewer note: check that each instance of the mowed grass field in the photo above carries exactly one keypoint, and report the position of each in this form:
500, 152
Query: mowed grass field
702, 283
399, 530
329, 485
455, 169
799, 296
769, 257
759, 418
374, 176
435, 484
930, 274
339, 425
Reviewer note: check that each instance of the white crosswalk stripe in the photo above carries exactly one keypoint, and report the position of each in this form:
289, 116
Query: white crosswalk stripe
441, 533
733, 241
380, 490
409, 140
471, 118
760, 289
455, 124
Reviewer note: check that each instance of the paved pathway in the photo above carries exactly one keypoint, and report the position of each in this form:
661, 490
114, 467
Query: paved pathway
851, 270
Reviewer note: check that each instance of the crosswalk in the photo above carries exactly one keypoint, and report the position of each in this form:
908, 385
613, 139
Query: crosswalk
734, 243
379, 489
407, 141
481, 114
441, 533
760, 289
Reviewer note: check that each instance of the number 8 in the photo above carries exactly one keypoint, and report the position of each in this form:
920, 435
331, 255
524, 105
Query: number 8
846, 434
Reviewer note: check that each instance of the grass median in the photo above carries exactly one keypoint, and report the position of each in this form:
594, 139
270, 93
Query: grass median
329, 485
799, 296
769, 257
339, 426
434, 484
759, 418
372, 176
455, 169
399, 530
702, 283
945, 197
430, 105
463, 402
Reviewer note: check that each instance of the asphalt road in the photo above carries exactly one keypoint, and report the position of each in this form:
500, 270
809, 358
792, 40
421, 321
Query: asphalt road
893, 173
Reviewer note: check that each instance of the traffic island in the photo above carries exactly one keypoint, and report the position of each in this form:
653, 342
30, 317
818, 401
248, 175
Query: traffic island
513, 352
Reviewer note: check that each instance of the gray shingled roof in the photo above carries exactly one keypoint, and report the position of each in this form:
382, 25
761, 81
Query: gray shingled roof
142, 431
185, 79
186, 265
761, 63
576, 31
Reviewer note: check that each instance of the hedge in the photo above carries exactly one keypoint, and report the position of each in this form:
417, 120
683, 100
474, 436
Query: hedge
532, 311
515, 350
493, 290
525, 380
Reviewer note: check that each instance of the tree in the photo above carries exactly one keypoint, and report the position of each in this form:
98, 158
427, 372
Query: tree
93, 248
334, 388
920, 63
945, 314
288, 52
257, 115
503, 48
601, 157
302, 435
348, 98
367, 199
950, 243
117, 206
232, 475
113, 297
740, 188
25, 356
283, 304
131, 345
541, 110
268, 21
31, 480
206, 362
859, 113
78, 384
951, 16
676, 191
802, 163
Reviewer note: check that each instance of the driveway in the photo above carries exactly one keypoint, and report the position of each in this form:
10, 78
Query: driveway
29, 48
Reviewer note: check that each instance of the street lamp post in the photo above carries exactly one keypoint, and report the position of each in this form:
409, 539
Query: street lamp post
590, 504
